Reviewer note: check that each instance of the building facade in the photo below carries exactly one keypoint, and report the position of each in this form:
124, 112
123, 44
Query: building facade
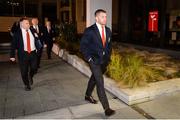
128, 19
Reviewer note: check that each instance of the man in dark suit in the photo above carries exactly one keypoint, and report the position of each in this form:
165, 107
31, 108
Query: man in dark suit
24, 40
48, 37
96, 48
39, 30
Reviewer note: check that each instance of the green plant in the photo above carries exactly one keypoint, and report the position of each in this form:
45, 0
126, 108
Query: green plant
130, 70
67, 37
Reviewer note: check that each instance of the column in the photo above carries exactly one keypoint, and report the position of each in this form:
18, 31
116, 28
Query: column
40, 10
124, 20
58, 10
80, 16
70, 10
93, 5
163, 25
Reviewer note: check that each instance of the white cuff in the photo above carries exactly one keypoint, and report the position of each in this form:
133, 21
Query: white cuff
89, 59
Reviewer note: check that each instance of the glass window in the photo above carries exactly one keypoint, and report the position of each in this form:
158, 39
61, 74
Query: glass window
17, 8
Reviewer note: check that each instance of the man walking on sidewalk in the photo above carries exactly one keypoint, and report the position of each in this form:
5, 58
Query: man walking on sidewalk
96, 48
24, 40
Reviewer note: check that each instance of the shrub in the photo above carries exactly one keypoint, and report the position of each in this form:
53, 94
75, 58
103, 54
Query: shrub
67, 37
130, 70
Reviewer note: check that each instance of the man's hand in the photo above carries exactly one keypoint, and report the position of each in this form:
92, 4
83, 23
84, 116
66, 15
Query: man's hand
12, 59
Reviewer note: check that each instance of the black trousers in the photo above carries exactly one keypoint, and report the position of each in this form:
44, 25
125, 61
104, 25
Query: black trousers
49, 49
98, 80
28, 66
39, 55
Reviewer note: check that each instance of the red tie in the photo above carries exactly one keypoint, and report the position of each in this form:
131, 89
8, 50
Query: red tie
28, 42
103, 37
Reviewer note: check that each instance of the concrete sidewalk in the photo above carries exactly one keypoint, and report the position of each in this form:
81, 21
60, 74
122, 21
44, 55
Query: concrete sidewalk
88, 111
58, 92
163, 107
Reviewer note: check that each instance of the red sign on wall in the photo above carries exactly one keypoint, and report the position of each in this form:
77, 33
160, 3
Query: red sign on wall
153, 21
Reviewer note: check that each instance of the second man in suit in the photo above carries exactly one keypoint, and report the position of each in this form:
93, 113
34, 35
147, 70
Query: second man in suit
39, 30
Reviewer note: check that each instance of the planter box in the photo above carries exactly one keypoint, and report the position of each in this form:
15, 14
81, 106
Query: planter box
129, 96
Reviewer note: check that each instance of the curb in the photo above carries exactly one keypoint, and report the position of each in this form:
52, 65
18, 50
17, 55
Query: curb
129, 96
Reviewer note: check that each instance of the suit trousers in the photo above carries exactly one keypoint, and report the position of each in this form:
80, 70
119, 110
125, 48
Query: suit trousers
28, 66
98, 80
39, 55
49, 49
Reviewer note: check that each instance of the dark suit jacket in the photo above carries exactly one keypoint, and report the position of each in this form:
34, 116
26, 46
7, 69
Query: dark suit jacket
17, 43
40, 34
14, 28
48, 37
91, 45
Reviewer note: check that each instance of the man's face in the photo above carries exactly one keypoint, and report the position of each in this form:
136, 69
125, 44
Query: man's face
48, 24
101, 18
25, 24
35, 21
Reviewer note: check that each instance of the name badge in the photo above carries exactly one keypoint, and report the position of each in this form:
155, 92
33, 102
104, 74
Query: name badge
109, 39
103, 53
35, 34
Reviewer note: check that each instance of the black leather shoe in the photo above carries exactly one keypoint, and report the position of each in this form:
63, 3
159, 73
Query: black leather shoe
109, 112
27, 88
90, 99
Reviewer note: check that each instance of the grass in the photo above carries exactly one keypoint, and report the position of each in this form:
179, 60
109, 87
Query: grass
130, 70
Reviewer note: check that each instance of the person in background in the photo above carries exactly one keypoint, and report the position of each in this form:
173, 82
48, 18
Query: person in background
48, 36
96, 48
39, 30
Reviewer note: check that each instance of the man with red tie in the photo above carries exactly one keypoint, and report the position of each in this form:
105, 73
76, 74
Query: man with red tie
24, 40
96, 49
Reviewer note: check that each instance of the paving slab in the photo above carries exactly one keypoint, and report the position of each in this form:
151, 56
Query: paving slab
163, 107
55, 114
89, 111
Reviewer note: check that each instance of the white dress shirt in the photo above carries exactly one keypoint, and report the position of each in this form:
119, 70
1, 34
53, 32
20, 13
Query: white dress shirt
100, 30
36, 28
32, 42
48, 29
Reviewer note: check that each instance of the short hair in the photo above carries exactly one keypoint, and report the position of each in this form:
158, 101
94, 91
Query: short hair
23, 18
35, 18
99, 11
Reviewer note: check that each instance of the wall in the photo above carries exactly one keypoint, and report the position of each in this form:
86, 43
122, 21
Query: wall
6, 23
115, 15
173, 5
